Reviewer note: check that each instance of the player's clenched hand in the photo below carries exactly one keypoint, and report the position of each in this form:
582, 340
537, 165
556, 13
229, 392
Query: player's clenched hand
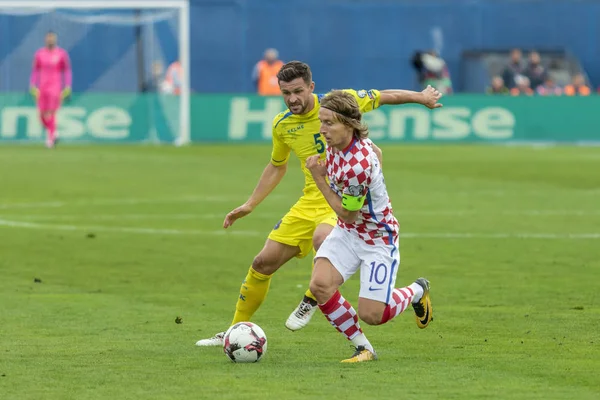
316, 167
66, 92
431, 97
35, 92
236, 214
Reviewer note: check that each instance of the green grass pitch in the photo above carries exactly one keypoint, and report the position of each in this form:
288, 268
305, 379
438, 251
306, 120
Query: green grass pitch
126, 239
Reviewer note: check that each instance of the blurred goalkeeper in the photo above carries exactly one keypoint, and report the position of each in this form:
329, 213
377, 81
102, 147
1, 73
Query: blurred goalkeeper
50, 83
311, 219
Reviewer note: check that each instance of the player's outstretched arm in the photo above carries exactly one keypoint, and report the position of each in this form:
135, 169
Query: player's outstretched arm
268, 181
429, 97
318, 170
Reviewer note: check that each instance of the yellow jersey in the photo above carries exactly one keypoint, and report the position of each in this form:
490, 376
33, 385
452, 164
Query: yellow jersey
301, 134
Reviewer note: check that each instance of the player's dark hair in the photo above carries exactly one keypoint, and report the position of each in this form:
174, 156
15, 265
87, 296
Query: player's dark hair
294, 70
346, 110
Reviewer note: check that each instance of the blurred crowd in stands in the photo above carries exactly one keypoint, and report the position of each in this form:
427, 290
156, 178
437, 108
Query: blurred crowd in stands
530, 78
518, 77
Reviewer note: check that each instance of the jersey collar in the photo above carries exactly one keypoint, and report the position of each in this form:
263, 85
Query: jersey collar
350, 146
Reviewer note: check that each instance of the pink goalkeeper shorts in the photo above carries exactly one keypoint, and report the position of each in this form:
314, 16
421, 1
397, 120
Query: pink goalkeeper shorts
49, 101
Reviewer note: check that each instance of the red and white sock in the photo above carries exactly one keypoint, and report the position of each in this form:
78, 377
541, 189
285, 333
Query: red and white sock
400, 299
343, 317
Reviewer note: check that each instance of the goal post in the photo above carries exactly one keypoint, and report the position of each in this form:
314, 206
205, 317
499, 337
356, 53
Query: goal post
25, 8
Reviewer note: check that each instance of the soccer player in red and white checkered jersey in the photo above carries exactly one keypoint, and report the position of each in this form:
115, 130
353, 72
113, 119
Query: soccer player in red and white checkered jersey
366, 236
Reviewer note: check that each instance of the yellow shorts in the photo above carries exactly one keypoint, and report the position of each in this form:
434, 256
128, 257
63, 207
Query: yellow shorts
297, 227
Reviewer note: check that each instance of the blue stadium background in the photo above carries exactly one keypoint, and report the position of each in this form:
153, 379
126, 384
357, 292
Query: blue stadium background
359, 43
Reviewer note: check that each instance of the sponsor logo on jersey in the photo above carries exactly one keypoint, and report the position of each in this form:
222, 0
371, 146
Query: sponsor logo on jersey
296, 129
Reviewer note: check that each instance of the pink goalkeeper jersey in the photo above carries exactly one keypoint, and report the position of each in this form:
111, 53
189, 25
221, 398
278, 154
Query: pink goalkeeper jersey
48, 69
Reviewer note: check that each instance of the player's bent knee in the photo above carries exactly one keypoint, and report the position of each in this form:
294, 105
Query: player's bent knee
321, 289
262, 265
370, 317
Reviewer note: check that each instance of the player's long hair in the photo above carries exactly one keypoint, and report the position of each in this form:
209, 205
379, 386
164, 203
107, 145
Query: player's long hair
346, 110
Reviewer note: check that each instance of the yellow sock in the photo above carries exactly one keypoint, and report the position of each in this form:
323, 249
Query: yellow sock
308, 293
252, 293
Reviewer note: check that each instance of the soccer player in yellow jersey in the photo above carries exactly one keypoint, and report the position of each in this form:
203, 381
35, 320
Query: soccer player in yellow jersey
311, 219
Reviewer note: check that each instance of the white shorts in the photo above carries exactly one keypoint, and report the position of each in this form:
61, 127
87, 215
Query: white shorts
378, 263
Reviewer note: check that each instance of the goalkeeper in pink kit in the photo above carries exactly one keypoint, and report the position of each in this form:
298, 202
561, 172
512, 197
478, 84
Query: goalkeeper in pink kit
50, 83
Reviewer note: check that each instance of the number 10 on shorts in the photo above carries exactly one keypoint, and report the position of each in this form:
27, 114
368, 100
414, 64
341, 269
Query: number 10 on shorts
379, 274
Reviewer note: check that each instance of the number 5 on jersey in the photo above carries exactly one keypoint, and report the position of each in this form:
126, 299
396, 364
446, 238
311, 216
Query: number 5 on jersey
319, 143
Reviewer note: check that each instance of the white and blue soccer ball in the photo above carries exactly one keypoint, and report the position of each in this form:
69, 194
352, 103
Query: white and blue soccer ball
245, 342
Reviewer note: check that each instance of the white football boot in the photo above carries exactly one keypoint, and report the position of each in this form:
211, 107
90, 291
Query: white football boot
216, 340
302, 314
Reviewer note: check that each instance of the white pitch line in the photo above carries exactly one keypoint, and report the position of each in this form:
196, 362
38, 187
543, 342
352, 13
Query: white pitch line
505, 212
121, 229
121, 201
131, 217
154, 231
216, 199
524, 235
110, 217
47, 204
199, 216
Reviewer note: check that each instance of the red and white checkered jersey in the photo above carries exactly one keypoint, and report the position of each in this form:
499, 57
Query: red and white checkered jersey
356, 171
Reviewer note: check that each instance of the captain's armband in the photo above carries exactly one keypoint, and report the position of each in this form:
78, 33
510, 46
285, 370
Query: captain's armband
353, 203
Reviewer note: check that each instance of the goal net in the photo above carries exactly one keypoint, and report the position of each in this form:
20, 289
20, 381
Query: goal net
130, 68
